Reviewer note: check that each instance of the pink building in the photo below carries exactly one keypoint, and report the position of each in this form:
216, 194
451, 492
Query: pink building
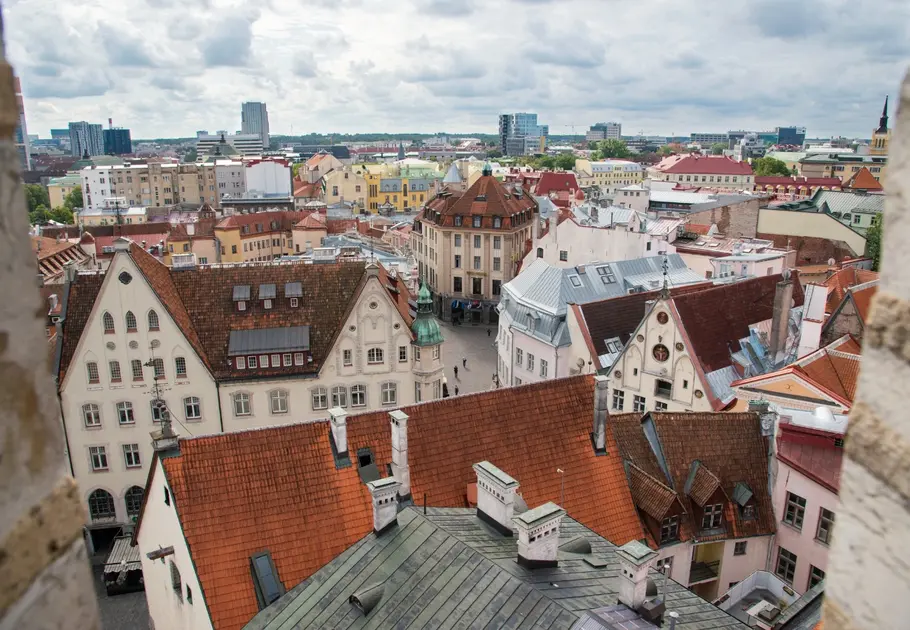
809, 456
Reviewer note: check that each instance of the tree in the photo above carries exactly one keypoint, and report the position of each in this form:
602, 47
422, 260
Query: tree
768, 166
73, 200
190, 156
39, 216
874, 242
665, 150
63, 215
718, 148
545, 162
565, 161
36, 195
295, 168
494, 153
607, 149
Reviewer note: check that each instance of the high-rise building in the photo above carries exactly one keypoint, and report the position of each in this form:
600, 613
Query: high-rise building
519, 134
254, 120
117, 141
791, 135
21, 133
604, 131
85, 138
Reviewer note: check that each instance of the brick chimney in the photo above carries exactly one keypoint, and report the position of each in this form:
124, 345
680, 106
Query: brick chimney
601, 406
538, 536
400, 469
385, 503
780, 317
634, 561
495, 497
339, 421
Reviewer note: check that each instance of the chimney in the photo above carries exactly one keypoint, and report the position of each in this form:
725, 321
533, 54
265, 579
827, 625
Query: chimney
339, 421
400, 469
810, 328
69, 272
495, 497
52, 298
538, 536
190, 229
634, 561
780, 318
601, 405
385, 503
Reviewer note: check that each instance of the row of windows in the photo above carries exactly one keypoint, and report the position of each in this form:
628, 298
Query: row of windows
497, 241
98, 457
265, 360
497, 262
101, 504
476, 221
785, 568
710, 178
136, 365
125, 414
476, 284
795, 513
322, 398
519, 360
107, 321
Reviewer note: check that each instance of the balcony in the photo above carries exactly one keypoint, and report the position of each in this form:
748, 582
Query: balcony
702, 572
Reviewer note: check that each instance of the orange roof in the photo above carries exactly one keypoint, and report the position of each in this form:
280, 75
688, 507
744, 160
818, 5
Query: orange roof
843, 279
44, 246
313, 221
862, 297
304, 189
278, 488
863, 180
285, 220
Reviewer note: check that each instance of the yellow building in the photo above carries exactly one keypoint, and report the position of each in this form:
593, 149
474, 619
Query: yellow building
59, 187
257, 237
347, 184
402, 186
881, 136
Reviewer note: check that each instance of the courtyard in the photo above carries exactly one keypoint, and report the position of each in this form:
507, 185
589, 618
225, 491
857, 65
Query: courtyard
469, 342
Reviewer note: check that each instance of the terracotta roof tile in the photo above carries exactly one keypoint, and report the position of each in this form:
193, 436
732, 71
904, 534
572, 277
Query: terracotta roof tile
815, 456
487, 197
279, 489
555, 182
863, 180
704, 483
286, 219
843, 279
650, 495
698, 164
862, 297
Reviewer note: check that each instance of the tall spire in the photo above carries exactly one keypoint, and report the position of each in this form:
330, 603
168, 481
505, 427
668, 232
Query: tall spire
400, 151
883, 121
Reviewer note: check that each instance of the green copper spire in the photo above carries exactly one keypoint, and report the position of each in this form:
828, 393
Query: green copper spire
487, 169
425, 328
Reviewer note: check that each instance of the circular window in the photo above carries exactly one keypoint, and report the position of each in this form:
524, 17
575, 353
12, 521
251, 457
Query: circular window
125, 277
640, 338
679, 346
617, 374
352, 328
155, 343
698, 393
374, 305
134, 345
662, 317
660, 352
110, 345
396, 326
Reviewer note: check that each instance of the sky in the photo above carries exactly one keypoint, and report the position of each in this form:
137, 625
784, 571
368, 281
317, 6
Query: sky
167, 68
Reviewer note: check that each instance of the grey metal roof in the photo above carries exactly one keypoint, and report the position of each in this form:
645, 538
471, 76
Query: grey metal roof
449, 569
804, 613
242, 293
850, 202
293, 289
267, 291
124, 556
265, 340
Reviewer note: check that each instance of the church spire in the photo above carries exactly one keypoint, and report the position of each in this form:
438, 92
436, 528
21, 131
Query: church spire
883, 121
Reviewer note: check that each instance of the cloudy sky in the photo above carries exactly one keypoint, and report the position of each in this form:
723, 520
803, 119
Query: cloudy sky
165, 68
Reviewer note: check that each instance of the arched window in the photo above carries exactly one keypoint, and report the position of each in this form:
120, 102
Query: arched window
339, 396
374, 355
131, 324
176, 583
91, 415
242, 404
320, 398
540, 252
153, 320
101, 506
92, 369
278, 401
108, 321
133, 499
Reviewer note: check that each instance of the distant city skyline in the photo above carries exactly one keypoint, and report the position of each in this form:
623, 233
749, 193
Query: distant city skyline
166, 69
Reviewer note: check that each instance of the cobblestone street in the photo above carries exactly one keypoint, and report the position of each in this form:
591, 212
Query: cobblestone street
472, 343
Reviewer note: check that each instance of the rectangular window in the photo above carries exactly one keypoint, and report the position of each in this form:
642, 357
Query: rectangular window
497, 242
660, 406
298, 358
669, 529
93, 375
663, 388
286, 360
339, 396
795, 510
543, 368
180, 367
519, 354
263, 360
347, 357
477, 242
131, 455
563, 255
739, 548
476, 262
115, 371
125, 413
278, 401
389, 394
638, 404
816, 575
530, 362
91, 415
825, 526
477, 221
276, 360
416, 392
618, 399
358, 395
712, 516
241, 363
457, 261
402, 354
251, 362
497, 263
265, 578
98, 457
191, 406
786, 565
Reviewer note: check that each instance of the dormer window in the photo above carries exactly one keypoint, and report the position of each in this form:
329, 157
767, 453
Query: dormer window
293, 291
712, 516
457, 220
497, 222
477, 221
241, 296
669, 529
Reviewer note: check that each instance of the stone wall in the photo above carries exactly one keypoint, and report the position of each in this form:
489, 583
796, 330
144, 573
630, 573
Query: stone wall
738, 220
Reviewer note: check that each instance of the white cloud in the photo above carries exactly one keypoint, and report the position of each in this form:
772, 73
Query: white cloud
167, 68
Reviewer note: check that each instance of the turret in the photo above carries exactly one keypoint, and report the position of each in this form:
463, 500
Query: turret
426, 349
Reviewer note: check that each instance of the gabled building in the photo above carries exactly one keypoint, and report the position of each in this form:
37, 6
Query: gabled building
863, 180
257, 237
851, 315
716, 171
223, 348
839, 282
54, 254
700, 484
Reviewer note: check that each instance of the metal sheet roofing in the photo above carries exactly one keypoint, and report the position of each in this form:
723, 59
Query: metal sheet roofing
265, 340
293, 289
267, 291
242, 293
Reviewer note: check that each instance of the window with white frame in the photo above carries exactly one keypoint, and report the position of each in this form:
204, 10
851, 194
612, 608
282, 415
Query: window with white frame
278, 401
437, 389
298, 358
389, 393
251, 362
101, 505
133, 499
669, 529
825, 526
417, 397
347, 357
131, 456
180, 367
241, 404
241, 363
136, 369
795, 510
153, 320
618, 399
125, 413
530, 362
192, 407
358, 395
107, 321
320, 398
98, 456
131, 324
435, 352
638, 404
543, 367
115, 371
286, 359
158, 364
157, 410
374, 356
518, 356
339, 396
402, 354
92, 369
712, 516
660, 406
263, 360
276, 360
416, 353
91, 415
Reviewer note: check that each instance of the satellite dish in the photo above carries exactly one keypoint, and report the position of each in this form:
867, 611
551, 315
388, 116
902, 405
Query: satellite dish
580, 363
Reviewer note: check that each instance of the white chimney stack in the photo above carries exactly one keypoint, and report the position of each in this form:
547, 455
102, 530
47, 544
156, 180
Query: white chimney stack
810, 328
400, 469
385, 503
601, 406
538, 536
634, 561
339, 420
495, 496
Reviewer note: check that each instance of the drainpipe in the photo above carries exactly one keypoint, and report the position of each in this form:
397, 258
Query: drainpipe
220, 414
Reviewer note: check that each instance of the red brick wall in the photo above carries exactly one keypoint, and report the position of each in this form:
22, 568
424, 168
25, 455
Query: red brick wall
735, 220
811, 250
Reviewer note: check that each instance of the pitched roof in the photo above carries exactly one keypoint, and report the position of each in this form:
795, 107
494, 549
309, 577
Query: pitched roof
715, 318
813, 453
651, 495
862, 297
701, 483
305, 511
698, 164
53, 256
729, 445
555, 182
863, 180
487, 197
79, 300
312, 221
286, 220
445, 566
841, 280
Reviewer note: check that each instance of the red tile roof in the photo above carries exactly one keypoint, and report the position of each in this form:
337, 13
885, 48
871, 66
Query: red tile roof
488, 198
305, 190
729, 445
699, 164
79, 302
841, 280
312, 221
278, 489
863, 180
715, 318
650, 494
862, 298
286, 220
812, 452
555, 182
704, 484
798, 180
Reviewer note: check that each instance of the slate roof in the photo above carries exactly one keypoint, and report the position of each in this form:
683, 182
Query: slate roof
279, 489
487, 197
848, 201
715, 319
448, 569
729, 445
698, 164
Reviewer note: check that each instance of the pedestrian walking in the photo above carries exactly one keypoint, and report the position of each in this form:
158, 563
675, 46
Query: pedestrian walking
488, 332
456, 371
464, 363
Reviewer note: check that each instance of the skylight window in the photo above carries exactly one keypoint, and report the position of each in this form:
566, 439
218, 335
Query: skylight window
606, 274
265, 579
